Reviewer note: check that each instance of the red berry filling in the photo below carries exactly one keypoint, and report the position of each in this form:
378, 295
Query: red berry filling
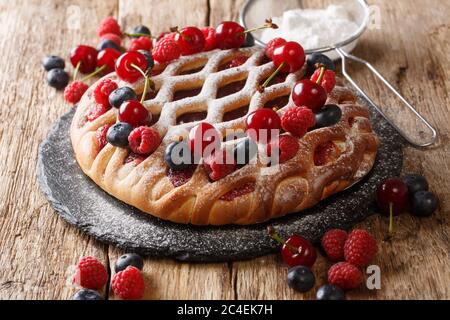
286, 147
180, 177
97, 111
238, 192
325, 153
101, 136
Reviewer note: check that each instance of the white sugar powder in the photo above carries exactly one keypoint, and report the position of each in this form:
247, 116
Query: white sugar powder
313, 28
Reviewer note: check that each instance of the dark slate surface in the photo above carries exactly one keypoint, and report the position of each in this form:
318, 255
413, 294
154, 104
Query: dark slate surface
81, 203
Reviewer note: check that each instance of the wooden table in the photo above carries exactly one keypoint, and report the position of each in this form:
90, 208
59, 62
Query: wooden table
38, 249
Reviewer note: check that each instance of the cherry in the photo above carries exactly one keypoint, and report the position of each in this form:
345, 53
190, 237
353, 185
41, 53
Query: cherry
260, 124
201, 136
392, 198
107, 57
229, 35
309, 94
191, 40
134, 113
131, 65
84, 58
296, 250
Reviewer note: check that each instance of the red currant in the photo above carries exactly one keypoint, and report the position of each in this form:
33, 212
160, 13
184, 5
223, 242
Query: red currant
392, 193
202, 136
309, 94
107, 57
86, 56
190, 40
126, 66
291, 54
260, 124
229, 35
210, 38
134, 113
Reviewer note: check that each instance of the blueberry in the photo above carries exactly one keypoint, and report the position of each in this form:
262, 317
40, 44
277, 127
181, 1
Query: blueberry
424, 203
301, 279
415, 183
245, 151
249, 41
129, 259
328, 116
87, 294
57, 78
120, 95
53, 62
316, 58
149, 58
142, 30
106, 43
118, 134
178, 156
330, 292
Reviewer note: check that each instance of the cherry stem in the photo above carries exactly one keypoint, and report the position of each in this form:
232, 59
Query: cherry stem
146, 83
391, 219
268, 25
266, 83
275, 236
322, 73
77, 68
97, 71
134, 35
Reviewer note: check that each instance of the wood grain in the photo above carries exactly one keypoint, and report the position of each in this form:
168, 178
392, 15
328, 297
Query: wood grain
38, 249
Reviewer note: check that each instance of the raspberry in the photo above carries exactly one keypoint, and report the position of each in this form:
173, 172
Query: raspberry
333, 244
238, 61
328, 80
166, 50
97, 111
103, 90
108, 25
141, 43
219, 165
101, 135
298, 120
360, 248
128, 284
286, 146
113, 37
90, 274
74, 91
144, 140
344, 275
210, 38
272, 44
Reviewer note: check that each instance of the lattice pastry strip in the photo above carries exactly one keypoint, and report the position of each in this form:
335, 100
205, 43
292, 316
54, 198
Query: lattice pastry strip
275, 191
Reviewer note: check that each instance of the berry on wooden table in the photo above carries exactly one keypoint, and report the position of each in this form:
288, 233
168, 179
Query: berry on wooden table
121, 95
415, 183
85, 57
330, 292
360, 248
301, 279
190, 40
87, 294
282, 149
53, 62
130, 66
204, 137
272, 45
142, 30
128, 284
74, 91
90, 273
333, 244
108, 25
328, 116
118, 134
166, 50
144, 140
392, 198
57, 78
210, 38
112, 37
298, 120
263, 125
103, 90
141, 43
107, 57
134, 113
106, 43
345, 275
424, 203
129, 259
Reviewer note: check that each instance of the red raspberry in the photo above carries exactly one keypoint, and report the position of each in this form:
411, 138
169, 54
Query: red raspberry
74, 91
101, 135
141, 43
360, 248
345, 275
210, 38
328, 80
113, 37
90, 274
333, 244
238, 61
286, 145
108, 25
166, 50
97, 111
128, 284
144, 140
219, 165
298, 120
103, 90
272, 44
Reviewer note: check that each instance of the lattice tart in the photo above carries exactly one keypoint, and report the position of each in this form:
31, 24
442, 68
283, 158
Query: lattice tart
220, 89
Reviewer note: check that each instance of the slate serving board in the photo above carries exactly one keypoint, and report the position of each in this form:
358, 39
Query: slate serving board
80, 202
